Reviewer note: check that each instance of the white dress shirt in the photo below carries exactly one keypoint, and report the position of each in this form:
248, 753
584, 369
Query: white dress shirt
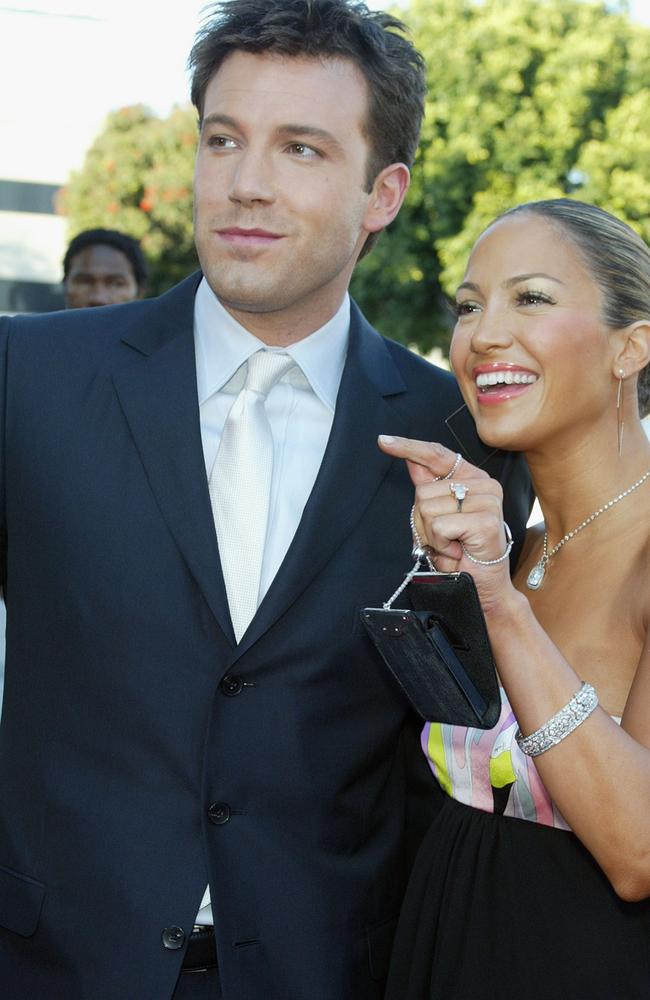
300, 409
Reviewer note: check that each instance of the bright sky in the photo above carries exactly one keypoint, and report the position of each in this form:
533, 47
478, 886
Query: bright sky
65, 64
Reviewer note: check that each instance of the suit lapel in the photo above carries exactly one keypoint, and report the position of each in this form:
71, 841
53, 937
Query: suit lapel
158, 394
353, 467
157, 390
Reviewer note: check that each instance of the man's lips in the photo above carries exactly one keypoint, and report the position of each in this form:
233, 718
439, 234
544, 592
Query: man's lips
248, 237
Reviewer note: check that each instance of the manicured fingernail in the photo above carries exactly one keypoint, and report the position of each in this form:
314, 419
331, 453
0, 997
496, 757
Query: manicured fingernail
386, 438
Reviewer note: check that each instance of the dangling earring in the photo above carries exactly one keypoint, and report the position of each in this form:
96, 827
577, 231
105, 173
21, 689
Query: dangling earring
620, 422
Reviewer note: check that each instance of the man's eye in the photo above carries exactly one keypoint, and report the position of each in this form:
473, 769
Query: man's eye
221, 142
303, 151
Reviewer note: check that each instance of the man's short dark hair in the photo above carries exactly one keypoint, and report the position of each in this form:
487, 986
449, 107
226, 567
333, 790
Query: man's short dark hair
109, 238
344, 29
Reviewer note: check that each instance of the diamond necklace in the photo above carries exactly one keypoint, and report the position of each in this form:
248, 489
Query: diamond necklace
536, 576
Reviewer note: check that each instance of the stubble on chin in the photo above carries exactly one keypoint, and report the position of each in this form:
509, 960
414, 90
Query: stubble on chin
239, 293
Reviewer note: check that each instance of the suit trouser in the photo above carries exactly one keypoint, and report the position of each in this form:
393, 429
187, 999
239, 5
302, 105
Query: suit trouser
198, 986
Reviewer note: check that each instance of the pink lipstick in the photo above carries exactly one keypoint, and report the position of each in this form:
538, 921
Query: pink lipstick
499, 381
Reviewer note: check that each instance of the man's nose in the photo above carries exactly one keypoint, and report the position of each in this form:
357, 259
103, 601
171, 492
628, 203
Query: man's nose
100, 295
252, 180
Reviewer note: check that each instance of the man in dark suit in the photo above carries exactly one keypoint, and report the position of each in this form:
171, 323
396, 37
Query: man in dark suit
193, 512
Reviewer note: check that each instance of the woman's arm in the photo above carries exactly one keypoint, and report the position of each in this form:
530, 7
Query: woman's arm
599, 776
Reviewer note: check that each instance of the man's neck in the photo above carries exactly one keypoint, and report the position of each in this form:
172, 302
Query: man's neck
285, 326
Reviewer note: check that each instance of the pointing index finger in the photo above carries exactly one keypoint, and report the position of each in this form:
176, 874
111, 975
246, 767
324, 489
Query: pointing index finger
426, 460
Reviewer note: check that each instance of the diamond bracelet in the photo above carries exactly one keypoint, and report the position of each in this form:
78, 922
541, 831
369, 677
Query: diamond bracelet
561, 724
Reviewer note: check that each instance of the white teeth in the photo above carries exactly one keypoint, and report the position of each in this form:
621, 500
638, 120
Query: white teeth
505, 378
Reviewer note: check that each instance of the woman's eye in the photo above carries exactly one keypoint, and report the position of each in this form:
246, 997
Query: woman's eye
464, 308
530, 298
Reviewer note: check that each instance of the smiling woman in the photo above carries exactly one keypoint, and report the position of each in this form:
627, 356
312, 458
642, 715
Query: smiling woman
589, 278
535, 875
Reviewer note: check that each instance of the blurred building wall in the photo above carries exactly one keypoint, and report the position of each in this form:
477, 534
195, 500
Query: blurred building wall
32, 243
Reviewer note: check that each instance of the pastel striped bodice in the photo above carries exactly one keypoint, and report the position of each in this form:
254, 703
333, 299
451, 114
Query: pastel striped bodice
485, 768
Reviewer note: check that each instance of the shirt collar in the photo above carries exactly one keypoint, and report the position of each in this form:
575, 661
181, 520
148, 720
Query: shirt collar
222, 345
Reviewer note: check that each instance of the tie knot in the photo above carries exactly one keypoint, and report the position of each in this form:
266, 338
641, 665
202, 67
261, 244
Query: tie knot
265, 368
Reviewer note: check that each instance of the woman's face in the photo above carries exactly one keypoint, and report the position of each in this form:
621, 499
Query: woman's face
530, 350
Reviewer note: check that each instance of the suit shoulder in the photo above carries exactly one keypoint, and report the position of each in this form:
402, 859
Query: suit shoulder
421, 375
426, 388
410, 360
96, 334
83, 328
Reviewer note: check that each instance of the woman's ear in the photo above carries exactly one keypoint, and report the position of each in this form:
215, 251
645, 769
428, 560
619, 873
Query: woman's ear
633, 351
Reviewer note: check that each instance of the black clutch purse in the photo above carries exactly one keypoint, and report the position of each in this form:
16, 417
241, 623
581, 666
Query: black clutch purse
439, 651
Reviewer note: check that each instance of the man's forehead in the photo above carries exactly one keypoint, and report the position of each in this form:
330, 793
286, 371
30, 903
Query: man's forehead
97, 257
283, 76
280, 91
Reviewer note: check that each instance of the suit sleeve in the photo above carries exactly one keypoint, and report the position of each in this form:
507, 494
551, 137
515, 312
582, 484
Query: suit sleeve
4, 339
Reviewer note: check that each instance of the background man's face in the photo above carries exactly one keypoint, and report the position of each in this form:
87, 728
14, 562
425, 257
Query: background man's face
99, 276
279, 184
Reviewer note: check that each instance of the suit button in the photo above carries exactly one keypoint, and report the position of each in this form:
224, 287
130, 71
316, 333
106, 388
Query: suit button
219, 813
231, 685
173, 938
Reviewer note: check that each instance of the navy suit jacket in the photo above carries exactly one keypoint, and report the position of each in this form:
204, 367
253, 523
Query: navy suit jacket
143, 752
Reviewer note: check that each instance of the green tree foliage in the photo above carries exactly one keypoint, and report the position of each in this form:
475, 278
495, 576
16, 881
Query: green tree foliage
527, 99
137, 177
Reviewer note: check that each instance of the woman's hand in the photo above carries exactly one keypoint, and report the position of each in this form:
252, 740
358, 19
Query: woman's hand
453, 526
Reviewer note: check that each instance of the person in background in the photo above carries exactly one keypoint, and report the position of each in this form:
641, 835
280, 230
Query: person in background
103, 267
534, 879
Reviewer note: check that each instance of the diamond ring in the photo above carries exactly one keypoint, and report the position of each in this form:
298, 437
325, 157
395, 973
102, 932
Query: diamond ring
460, 491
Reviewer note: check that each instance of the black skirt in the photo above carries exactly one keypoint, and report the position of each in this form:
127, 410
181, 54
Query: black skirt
505, 908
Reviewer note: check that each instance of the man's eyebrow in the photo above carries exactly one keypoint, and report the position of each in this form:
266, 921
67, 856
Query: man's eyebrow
290, 131
217, 119
98, 274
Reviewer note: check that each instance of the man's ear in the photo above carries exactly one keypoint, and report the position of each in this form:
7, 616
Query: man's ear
388, 193
633, 351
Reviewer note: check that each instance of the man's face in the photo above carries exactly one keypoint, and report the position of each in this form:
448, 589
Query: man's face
281, 213
99, 276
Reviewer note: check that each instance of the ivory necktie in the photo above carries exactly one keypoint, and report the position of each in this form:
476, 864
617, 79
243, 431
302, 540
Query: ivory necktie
240, 487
